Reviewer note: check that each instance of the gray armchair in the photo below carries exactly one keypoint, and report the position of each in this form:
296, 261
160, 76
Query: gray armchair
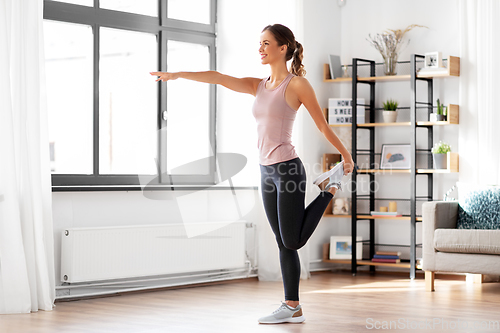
448, 249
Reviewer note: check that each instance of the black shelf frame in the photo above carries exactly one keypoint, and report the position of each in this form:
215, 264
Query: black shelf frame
414, 105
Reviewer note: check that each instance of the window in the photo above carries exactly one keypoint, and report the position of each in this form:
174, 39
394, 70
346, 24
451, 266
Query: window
127, 102
144, 7
187, 97
68, 53
182, 10
110, 123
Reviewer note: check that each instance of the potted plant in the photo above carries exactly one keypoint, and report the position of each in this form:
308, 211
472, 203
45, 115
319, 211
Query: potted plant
440, 114
440, 155
389, 113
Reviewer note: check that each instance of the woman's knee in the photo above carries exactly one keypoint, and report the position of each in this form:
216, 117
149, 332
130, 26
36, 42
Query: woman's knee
287, 244
292, 244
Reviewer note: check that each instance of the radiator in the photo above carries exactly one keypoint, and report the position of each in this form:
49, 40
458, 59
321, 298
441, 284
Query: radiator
96, 254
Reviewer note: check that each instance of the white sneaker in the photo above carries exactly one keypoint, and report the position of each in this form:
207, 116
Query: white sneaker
335, 174
284, 314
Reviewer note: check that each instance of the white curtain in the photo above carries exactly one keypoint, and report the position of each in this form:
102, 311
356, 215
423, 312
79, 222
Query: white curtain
479, 134
26, 234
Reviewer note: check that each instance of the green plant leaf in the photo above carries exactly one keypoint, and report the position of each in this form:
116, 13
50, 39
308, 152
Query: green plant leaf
441, 148
390, 105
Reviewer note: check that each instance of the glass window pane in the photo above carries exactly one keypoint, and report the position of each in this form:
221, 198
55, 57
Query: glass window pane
188, 107
144, 7
69, 74
128, 102
189, 10
89, 3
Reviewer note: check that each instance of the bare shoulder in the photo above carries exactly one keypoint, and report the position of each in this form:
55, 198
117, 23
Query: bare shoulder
300, 85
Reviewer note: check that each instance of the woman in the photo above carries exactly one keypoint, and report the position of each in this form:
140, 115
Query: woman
277, 99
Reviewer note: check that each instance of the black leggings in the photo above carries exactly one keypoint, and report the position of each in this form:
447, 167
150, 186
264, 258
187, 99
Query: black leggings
283, 193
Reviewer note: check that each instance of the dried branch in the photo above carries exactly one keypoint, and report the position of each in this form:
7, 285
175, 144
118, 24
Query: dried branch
389, 43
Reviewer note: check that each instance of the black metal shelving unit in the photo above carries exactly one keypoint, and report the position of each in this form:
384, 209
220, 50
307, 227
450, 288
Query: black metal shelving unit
414, 105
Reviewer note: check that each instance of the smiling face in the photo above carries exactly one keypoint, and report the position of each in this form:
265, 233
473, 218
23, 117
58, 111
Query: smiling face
269, 49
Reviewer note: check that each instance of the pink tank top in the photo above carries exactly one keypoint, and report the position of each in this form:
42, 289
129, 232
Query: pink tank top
274, 123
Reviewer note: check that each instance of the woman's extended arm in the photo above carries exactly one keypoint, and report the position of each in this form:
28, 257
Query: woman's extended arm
307, 96
246, 85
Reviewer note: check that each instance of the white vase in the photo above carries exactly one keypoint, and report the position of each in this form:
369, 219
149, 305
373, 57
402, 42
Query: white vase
389, 116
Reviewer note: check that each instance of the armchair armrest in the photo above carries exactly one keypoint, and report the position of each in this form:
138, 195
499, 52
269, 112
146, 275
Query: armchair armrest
435, 214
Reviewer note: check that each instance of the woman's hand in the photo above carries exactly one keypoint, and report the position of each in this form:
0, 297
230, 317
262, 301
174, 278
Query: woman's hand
164, 76
348, 164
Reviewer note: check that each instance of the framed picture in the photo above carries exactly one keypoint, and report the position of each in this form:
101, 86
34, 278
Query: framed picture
395, 156
340, 247
433, 60
335, 67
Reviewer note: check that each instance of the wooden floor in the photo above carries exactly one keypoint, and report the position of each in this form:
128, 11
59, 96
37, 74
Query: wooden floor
332, 302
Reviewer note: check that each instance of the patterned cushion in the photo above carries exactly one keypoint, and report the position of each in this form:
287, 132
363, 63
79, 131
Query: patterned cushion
479, 207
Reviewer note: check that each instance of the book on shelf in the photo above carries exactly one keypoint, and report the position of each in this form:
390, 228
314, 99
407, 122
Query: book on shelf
400, 215
385, 213
388, 214
433, 71
393, 261
389, 253
384, 256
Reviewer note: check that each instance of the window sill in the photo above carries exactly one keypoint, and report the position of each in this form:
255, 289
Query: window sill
97, 188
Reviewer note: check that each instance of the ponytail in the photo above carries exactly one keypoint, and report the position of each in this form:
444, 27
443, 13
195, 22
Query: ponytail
284, 36
297, 67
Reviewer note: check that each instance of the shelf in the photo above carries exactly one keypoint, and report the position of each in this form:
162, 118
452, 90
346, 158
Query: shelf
452, 119
453, 71
406, 123
419, 112
388, 171
451, 168
369, 217
326, 254
338, 216
341, 125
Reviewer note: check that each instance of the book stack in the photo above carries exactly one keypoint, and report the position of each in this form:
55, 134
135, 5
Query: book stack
385, 256
340, 111
386, 214
432, 71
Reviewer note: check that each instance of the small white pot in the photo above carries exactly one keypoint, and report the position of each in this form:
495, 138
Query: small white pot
440, 161
389, 116
434, 117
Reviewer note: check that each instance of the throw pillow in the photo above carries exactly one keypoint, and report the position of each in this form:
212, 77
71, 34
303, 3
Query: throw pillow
479, 207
